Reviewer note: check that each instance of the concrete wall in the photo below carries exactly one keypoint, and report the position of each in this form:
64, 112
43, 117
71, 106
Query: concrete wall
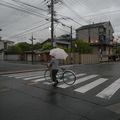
89, 59
73, 58
12, 57
76, 58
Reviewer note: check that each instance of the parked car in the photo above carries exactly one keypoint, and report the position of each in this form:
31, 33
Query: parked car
113, 57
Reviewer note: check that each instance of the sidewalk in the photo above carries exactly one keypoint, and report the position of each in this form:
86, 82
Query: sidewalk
7, 67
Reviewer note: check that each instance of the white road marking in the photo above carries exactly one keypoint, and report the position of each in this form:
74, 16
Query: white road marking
30, 78
80, 80
60, 81
25, 76
32, 82
48, 83
22, 74
108, 92
91, 85
81, 74
38, 80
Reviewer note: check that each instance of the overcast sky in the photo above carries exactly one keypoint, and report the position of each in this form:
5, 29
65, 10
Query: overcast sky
19, 19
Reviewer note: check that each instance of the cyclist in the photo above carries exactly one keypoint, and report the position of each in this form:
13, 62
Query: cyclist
54, 66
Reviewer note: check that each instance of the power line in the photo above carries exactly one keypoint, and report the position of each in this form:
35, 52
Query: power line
69, 18
63, 30
28, 30
65, 4
10, 5
23, 3
103, 13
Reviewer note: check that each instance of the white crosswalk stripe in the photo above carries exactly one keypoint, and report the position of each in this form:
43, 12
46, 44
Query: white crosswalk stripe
60, 81
106, 93
48, 83
26, 76
91, 85
78, 81
23, 74
38, 80
34, 77
81, 74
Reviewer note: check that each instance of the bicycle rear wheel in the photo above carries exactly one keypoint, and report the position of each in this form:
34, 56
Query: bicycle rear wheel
47, 75
69, 77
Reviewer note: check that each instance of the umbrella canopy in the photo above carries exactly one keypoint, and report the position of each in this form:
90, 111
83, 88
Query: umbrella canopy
58, 53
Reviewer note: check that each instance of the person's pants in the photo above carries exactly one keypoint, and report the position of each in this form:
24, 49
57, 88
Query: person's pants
54, 73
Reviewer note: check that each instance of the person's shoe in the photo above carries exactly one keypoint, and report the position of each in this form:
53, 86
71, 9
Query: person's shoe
55, 84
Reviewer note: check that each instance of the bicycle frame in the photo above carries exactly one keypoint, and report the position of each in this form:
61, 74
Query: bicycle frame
67, 76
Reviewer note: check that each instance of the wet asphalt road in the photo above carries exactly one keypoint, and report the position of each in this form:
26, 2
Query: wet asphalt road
20, 101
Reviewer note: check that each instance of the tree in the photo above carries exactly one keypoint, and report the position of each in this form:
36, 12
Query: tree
118, 50
37, 46
19, 48
65, 36
24, 46
14, 49
82, 47
46, 46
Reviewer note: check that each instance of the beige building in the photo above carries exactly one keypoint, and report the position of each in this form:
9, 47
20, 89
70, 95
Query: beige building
99, 35
4, 44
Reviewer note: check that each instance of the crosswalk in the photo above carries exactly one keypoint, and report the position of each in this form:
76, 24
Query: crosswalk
90, 83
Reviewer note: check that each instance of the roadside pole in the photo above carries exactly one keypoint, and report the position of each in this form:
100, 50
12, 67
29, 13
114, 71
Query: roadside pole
32, 38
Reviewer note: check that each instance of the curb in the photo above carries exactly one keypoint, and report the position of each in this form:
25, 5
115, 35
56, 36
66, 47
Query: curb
28, 70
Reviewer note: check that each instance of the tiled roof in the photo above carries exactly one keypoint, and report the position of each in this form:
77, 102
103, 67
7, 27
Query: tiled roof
94, 25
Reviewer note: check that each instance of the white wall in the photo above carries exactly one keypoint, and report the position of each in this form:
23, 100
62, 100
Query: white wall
12, 57
1, 45
1, 55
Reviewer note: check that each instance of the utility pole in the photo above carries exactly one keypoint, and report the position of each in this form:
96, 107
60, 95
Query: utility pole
70, 34
0, 35
116, 45
52, 12
52, 24
71, 50
71, 58
71, 37
89, 39
32, 38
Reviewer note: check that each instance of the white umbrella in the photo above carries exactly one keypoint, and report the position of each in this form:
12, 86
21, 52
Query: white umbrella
58, 53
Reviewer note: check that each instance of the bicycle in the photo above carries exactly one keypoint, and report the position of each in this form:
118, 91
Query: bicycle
67, 76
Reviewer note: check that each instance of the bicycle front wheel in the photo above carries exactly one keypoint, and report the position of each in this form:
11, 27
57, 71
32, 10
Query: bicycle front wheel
47, 75
69, 77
